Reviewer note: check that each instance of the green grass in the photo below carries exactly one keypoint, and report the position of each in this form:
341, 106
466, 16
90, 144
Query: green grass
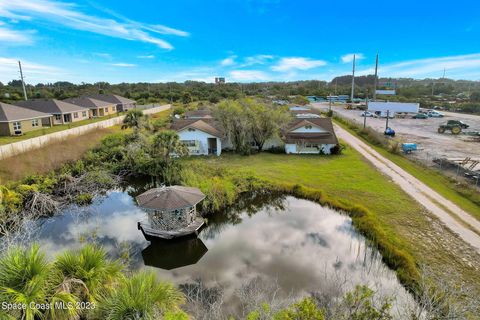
55, 128
399, 227
462, 195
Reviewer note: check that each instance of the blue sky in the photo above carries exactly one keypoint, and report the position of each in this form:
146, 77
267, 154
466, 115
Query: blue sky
243, 40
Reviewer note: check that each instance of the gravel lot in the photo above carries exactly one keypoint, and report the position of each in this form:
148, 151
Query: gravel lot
424, 133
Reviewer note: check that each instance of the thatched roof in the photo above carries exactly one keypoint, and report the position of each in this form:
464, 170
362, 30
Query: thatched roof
170, 198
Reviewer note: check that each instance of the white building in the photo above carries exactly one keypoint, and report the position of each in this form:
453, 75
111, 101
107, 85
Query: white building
199, 135
310, 136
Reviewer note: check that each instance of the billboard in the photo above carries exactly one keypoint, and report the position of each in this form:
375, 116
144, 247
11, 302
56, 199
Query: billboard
389, 92
393, 106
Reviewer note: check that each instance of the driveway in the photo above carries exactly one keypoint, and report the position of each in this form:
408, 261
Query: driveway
456, 219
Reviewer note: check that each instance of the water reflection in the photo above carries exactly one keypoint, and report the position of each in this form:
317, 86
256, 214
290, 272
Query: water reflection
174, 254
296, 243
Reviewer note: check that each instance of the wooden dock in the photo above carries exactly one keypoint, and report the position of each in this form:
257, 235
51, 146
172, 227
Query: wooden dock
154, 234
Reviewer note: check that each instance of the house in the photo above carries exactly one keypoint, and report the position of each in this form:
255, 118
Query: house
15, 120
63, 112
201, 136
122, 103
306, 113
97, 108
310, 136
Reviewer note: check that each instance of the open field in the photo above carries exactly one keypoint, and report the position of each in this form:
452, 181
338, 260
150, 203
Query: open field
424, 133
349, 178
52, 156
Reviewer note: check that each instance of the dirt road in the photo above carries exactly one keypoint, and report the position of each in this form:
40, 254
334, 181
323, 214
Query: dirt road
450, 214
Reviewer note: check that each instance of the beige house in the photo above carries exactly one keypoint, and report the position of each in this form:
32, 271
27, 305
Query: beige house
62, 112
97, 108
15, 120
122, 103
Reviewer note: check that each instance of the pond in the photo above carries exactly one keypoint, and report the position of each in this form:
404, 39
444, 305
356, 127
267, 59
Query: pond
297, 244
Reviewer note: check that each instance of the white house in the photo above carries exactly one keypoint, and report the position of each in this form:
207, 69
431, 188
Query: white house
199, 135
310, 136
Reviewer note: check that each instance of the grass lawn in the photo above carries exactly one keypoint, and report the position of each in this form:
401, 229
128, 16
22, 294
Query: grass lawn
350, 179
55, 128
468, 200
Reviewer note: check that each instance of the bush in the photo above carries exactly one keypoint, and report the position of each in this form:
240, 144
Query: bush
83, 199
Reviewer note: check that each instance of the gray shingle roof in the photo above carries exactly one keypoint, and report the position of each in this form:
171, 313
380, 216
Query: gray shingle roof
170, 198
88, 102
9, 113
51, 106
328, 137
112, 98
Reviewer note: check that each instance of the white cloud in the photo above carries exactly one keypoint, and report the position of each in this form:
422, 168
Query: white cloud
149, 56
230, 61
248, 75
257, 59
347, 58
69, 15
457, 67
14, 37
34, 72
299, 63
123, 65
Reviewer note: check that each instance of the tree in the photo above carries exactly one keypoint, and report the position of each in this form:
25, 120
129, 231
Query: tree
235, 122
27, 278
186, 98
133, 119
165, 150
265, 122
89, 270
475, 96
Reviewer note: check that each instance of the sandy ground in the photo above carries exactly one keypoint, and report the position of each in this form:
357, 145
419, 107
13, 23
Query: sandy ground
424, 133
453, 217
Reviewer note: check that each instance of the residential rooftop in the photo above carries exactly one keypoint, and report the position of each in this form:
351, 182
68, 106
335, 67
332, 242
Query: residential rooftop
9, 113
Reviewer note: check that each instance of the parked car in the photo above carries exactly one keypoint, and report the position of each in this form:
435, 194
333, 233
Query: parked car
368, 114
420, 116
435, 114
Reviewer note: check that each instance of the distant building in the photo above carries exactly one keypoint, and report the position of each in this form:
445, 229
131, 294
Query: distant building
219, 80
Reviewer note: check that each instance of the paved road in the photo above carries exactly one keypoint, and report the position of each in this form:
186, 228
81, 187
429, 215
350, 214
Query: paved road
442, 208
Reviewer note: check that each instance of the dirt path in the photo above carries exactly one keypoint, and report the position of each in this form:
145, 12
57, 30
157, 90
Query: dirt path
431, 200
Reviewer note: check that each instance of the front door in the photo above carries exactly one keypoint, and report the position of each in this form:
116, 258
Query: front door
67, 118
212, 145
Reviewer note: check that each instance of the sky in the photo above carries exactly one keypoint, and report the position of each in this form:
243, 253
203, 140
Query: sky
241, 40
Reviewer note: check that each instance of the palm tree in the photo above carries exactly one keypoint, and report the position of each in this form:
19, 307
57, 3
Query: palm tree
140, 296
133, 119
27, 278
166, 146
88, 271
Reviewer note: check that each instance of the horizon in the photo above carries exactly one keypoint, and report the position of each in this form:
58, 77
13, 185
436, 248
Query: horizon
243, 41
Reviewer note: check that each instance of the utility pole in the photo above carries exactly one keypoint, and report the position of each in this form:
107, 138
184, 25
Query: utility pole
353, 80
365, 112
375, 80
23, 82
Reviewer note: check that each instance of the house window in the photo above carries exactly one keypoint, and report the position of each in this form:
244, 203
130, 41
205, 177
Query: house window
189, 143
17, 126
113, 109
84, 114
35, 123
308, 127
191, 129
75, 115
58, 117
311, 145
